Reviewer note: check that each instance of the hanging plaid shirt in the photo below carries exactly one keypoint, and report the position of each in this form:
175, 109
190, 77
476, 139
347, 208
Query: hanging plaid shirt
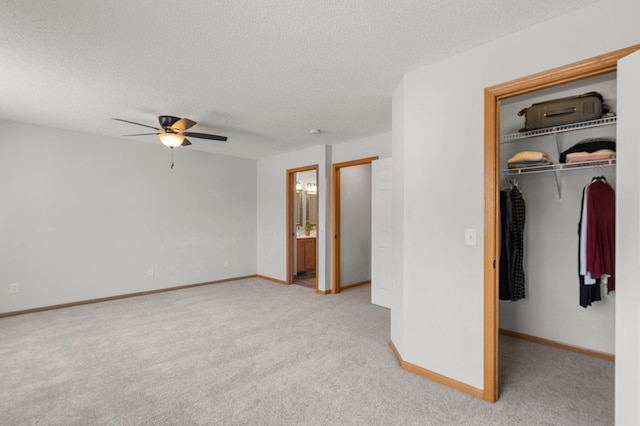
512, 217
518, 216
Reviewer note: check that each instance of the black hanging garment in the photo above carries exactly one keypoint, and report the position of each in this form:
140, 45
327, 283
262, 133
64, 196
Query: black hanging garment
512, 218
505, 249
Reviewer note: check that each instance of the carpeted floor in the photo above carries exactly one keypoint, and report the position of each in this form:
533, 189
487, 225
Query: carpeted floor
256, 352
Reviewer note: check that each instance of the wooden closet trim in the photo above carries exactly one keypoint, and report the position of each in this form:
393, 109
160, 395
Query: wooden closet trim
598, 65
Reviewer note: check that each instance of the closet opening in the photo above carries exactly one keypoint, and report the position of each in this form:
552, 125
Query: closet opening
351, 224
547, 170
511, 95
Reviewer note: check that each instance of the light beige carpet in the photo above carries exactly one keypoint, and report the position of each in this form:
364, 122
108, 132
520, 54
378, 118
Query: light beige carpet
256, 352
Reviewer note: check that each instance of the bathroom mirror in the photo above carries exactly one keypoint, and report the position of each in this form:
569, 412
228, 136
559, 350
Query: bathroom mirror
312, 207
299, 208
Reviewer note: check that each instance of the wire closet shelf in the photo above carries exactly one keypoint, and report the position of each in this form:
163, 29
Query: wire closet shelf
607, 121
596, 164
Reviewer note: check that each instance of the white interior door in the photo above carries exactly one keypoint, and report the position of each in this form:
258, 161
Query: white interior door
381, 232
627, 388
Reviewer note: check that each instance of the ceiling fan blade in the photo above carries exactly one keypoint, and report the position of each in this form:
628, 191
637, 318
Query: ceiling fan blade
183, 124
142, 134
133, 122
185, 142
206, 136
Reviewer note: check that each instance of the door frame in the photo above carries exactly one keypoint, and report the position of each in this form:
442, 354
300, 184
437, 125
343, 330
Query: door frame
592, 67
291, 233
335, 249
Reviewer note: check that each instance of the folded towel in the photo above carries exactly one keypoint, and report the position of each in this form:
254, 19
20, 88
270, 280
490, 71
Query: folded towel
602, 154
589, 145
529, 156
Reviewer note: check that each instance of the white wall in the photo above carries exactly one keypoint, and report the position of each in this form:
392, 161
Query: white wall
551, 308
272, 182
272, 201
355, 224
627, 247
85, 217
442, 115
379, 145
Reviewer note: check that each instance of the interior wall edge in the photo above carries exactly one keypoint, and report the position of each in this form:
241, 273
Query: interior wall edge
439, 378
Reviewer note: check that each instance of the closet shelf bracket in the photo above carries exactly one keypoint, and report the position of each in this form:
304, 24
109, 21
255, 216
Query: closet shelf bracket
557, 174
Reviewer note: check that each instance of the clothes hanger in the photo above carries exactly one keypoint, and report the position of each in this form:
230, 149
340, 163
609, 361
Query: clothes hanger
598, 169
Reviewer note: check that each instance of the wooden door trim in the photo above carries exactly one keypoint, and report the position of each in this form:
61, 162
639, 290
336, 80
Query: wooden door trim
291, 236
598, 65
335, 235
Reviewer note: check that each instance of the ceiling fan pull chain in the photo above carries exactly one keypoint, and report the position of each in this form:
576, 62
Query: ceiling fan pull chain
172, 157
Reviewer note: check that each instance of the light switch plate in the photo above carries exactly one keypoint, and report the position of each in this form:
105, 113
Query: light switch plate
470, 237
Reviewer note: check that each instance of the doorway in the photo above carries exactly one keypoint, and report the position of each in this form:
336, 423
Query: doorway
493, 96
302, 226
351, 224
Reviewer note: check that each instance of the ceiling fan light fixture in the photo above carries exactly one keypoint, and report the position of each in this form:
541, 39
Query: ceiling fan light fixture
171, 140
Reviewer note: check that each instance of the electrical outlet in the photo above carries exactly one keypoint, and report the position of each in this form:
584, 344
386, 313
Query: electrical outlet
226, 263
150, 273
14, 288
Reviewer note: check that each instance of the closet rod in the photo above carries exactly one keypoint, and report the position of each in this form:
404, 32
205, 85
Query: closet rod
598, 167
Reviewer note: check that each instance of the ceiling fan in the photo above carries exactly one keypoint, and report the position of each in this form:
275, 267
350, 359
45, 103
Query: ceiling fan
172, 131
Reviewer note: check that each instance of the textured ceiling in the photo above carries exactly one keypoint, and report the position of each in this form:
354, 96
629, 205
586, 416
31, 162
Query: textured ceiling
262, 72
